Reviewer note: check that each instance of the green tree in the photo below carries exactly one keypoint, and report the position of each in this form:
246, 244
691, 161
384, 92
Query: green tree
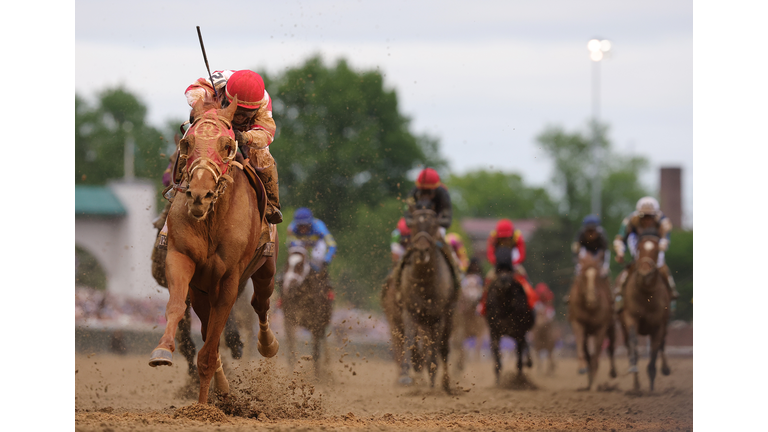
341, 140
679, 258
101, 134
496, 194
344, 150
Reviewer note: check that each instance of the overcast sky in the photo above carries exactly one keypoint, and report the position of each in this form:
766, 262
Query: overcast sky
484, 77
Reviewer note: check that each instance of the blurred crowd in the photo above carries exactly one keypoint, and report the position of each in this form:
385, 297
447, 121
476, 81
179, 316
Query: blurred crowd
99, 308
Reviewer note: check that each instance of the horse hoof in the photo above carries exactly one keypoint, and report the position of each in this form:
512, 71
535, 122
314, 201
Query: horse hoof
613, 373
665, 370
161, 357
405, 381
269, 350
582, 371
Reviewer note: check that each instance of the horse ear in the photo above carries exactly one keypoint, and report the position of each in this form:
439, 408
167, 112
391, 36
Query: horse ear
185, 144
229, 112
197, 109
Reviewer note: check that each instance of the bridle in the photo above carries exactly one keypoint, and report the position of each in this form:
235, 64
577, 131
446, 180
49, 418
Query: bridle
210, 125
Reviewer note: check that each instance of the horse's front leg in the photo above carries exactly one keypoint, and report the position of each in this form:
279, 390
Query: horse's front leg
179, 270
263, 287
214, 310
581, 340
445, 344
599, 338
611, 333
496, 354
631, 334
657, 344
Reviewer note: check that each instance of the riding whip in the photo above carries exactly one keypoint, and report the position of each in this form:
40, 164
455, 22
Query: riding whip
200, 36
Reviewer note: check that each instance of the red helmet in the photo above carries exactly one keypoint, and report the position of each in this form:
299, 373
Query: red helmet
428, 179
544, 293
403, 227
505, 228
248, 86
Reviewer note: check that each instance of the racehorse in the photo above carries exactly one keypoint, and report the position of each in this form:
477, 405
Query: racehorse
467, 321
545, 332
306, 301
507, 312
214, 233
646, 308
590, 311
184, 336
427, 297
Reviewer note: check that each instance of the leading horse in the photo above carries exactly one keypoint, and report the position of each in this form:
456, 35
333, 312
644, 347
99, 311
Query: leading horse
426, 297
590, 311
646, 308
214, 231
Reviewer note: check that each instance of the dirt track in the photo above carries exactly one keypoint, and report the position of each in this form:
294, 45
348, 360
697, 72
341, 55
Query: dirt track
114, 392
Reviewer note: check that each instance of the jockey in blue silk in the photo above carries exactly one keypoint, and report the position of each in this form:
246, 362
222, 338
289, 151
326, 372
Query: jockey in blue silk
312, 234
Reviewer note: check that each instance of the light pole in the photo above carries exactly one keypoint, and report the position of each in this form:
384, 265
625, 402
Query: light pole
597, 50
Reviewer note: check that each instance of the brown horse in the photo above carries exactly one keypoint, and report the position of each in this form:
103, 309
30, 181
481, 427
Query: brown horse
507, 313
646, 308
427, 298
467, 322
187, 347
590, 311
307, 303
544, 336
214, 230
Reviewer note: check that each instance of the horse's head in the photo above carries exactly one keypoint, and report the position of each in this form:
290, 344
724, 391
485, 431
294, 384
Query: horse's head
590, 266
296, 268
647, 254
424, 230
206, 152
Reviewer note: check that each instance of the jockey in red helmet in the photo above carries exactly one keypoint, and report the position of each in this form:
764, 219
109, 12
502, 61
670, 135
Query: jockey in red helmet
430, 193
253, 124
401, 236
506, 235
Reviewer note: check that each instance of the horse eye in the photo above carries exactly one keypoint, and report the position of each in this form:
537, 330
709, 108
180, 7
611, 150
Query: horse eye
209, 195
189, 194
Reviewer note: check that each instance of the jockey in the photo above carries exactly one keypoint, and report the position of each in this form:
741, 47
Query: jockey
430, 193
459, 251
505, 235
253, 124
312, 233
591, 239
646, 217
401, 237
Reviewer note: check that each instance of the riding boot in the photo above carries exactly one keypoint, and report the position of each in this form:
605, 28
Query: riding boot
268, 176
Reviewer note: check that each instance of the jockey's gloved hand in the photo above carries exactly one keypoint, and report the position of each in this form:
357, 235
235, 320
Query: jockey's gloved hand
663, 244
240, 138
